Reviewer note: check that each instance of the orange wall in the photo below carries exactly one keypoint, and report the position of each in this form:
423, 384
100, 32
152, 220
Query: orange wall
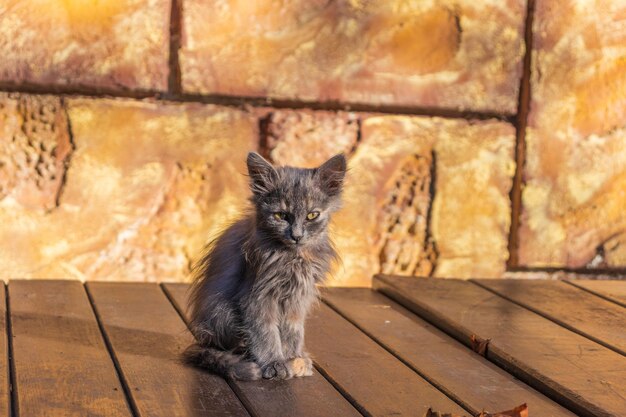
124, 127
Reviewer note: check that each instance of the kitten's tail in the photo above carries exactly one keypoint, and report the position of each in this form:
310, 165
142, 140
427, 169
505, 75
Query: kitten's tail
221, 362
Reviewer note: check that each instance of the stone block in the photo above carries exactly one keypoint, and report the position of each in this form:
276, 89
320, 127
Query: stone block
147, 186
451, 54
427, 196
306, 138
111, 45
574, 197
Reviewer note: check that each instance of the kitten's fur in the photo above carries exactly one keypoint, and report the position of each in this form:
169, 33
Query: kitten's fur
256, 282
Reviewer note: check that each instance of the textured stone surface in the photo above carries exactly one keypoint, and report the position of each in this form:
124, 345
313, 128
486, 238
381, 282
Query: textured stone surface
308, 138
387, 201
108, 44
404, 244
147, 186
446, 54
575, 195
34, 148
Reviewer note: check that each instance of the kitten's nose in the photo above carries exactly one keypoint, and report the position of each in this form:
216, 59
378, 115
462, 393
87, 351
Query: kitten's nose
296, 236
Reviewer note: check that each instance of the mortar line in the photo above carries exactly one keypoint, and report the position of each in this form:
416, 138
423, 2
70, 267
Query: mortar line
520, 137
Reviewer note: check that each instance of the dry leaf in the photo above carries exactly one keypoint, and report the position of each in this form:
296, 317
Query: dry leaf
479, 345
431, 413
519, 411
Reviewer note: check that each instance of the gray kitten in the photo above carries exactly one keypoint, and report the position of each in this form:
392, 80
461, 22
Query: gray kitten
256, 282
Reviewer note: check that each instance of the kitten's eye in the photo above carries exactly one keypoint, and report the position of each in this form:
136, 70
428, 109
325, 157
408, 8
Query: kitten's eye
312, 215
280, 216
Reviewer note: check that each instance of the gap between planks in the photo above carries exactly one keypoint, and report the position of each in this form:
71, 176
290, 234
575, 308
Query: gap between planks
12, 397
606, 297
554, 319
132, 406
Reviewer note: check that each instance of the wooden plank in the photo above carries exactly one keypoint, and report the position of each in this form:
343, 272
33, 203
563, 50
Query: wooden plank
378, 382
473, 381
586, 377
612, 290
310, 396
147, 336
582, 312
62, 366
5, 401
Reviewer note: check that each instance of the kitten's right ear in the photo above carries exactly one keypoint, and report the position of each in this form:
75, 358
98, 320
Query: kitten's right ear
263, 176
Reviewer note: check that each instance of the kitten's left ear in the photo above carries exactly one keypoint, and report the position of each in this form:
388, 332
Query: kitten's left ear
331, 174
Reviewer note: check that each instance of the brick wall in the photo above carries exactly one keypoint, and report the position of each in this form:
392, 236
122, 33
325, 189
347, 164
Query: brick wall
124, 126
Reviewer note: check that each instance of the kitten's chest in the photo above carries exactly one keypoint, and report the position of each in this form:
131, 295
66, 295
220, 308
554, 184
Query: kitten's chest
300, 267
304, 272
288, 276
298, 289
296, 278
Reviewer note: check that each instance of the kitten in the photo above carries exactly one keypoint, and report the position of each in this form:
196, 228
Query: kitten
256, 282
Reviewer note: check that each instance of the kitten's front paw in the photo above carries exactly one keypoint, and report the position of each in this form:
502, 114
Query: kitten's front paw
277, 370
300, 366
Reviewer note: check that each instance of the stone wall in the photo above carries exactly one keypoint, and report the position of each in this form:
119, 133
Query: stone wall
483, 140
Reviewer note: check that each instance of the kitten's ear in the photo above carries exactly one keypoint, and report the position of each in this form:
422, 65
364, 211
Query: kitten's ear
263, 176
331, 174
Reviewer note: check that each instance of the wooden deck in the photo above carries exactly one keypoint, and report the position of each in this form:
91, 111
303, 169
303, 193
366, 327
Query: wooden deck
459, 347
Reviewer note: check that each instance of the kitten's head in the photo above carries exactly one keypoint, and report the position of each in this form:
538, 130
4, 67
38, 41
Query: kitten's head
293, 205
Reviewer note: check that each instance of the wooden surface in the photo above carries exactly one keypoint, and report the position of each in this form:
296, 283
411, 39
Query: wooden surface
461, 373
112, 349
570, 307
584, 376
611, 290
311, 396
61, 364
147, 337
